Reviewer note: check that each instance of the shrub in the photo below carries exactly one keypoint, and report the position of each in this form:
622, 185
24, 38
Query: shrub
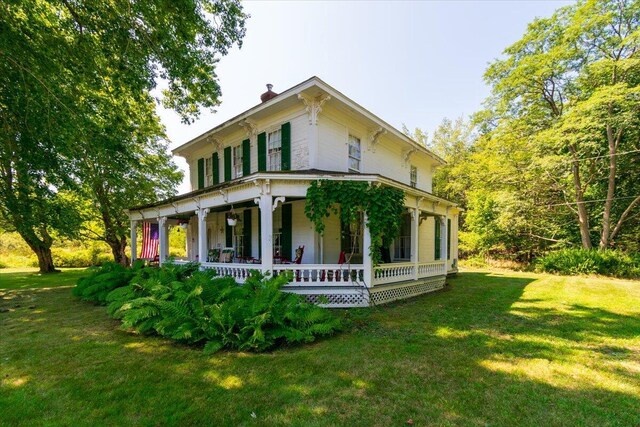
103, 280
583, 261
194, 307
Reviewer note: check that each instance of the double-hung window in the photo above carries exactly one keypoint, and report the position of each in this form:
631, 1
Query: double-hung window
355, 155
413, 176
237, 161
274, 151
208, 172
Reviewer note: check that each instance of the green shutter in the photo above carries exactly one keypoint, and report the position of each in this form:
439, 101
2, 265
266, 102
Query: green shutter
286, 231
285, 131
215, 160
228, 234
200, 174
246, 157
436, 234
227, 164
246, 231
448, 239
262, 152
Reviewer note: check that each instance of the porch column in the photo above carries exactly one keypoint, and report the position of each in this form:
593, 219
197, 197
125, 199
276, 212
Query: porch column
367, 264
202, 235
162, 244
266, 236
134, 241
443, 241
415, 227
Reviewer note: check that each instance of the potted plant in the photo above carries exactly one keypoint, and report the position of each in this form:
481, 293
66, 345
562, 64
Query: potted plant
232, 218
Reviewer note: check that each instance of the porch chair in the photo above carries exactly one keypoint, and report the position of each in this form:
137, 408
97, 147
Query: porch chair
298, 260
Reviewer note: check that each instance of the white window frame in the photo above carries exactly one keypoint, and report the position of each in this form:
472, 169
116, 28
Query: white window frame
208, 171
236, 161
413, 176
353, 155
277, 231
274, 150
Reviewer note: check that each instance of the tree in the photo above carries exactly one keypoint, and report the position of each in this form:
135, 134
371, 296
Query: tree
64, 63
570, 88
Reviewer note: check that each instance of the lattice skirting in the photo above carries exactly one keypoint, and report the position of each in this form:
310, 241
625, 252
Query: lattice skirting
334, 297
354, 296
392, 292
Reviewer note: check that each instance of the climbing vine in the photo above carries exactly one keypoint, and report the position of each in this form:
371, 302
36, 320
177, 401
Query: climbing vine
383, 206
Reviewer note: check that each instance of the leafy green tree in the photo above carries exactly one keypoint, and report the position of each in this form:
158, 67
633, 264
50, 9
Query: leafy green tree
64, 64
569, 91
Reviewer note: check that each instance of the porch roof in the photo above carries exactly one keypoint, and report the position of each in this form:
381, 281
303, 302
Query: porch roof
306, 174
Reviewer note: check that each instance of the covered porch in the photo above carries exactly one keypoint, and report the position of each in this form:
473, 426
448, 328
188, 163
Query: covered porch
273, 235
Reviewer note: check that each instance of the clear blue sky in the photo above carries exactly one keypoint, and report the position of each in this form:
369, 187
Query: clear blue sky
412, 62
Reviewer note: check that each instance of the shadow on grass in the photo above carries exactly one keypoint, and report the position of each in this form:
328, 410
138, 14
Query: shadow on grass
479, 352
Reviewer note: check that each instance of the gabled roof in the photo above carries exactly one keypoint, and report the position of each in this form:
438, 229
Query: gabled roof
293, 92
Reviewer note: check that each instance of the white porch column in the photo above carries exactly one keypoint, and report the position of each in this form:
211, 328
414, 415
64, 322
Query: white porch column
367, 263
134, 241
443, 240
163, 244
415, 224
202, 235
266, 236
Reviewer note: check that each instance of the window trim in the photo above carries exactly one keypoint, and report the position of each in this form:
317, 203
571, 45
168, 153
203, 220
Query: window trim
413, 181
277, 155
208, 171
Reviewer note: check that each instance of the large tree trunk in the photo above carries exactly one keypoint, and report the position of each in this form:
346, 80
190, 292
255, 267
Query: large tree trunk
42, 249
605, 237
119, 250
583, 214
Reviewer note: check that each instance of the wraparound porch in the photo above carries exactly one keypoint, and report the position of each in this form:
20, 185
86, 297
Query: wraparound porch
336, 265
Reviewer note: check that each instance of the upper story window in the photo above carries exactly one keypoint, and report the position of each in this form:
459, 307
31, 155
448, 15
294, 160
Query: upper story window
413, 176
208, 172
274, 151
354, 154
237, 161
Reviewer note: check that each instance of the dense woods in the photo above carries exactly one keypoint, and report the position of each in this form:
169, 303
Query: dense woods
553, 159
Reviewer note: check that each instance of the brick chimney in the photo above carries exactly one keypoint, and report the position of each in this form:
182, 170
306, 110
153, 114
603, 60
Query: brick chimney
269, 94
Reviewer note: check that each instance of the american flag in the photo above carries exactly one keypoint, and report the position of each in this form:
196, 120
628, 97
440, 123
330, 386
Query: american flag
150, 241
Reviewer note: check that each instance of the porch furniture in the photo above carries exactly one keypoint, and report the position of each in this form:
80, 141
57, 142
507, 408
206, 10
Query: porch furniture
227, 255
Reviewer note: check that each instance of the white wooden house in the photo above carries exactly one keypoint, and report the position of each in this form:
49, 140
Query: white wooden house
259, 165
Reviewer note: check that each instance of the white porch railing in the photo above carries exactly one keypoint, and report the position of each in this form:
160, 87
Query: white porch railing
332, 274
399, 272
240, 272
322, 274
394, 272
429, 269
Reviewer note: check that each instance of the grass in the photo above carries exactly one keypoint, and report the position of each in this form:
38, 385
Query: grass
494, 348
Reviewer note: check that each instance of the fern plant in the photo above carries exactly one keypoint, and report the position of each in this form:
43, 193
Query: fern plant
103, 280
195, 307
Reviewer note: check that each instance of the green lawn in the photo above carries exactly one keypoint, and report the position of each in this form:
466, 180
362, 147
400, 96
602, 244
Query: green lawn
493, 348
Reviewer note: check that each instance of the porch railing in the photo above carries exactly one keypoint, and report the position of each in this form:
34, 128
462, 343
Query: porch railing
322, 274
434, 268
394, 272
240, 272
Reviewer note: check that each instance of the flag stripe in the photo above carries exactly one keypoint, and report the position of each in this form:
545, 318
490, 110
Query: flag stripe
150, 241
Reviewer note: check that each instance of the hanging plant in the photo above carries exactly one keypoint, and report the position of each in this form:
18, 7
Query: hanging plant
232, 218
347, 199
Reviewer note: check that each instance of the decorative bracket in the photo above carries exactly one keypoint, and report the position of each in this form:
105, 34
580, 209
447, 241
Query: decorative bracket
374, 135
410, 211
175, 206
162, 220
142, 215
250, 127
216, 142
225, 195
202, 214
257, 201
276, 200
406, 156
258, 183
423, 216
313, 106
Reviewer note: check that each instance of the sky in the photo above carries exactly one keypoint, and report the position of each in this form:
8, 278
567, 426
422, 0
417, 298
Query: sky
408, 62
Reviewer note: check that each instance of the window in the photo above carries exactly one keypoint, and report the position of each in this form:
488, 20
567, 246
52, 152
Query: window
238, 237
237, 161
208, 172
351, 242
274, 151
402, 243
354, 154
413, 176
